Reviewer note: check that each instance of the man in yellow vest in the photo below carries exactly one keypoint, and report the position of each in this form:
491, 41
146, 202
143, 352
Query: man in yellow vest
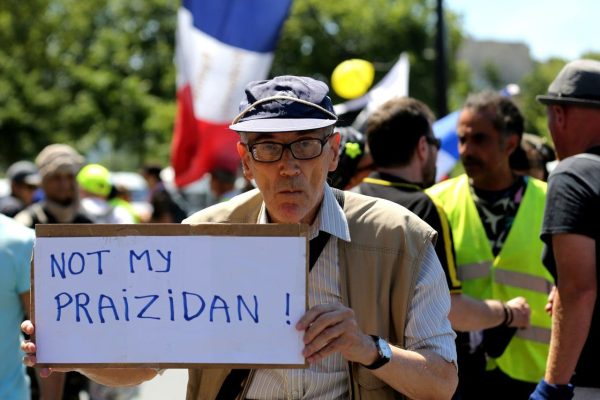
495, 217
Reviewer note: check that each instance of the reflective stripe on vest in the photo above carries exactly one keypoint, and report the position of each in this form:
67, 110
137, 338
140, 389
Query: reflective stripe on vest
513, 278
521, 280
535, 334
479, 270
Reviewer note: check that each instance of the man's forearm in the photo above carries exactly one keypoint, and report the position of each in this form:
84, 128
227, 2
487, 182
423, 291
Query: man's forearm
421, 374
119, 376
572, 317
469, 314
573, 303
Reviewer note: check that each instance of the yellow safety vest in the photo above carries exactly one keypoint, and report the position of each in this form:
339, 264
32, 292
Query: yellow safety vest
516, 271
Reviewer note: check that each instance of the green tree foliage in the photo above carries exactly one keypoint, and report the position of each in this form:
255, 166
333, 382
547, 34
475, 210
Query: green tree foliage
319, 35
87, 72
491, 74
99, 74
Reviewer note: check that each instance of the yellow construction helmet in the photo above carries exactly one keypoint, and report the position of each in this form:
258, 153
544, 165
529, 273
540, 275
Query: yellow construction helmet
94, 179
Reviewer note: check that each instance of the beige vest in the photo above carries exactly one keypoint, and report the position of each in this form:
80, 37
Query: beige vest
378, 271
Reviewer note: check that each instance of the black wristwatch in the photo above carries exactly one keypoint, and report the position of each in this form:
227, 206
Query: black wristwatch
385, 353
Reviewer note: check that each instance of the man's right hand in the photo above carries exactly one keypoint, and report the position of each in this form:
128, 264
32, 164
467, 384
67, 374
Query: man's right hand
29, 349
103, 375
520, 311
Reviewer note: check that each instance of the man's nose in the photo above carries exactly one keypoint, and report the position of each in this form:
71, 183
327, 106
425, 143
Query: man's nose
288, 165
464, 147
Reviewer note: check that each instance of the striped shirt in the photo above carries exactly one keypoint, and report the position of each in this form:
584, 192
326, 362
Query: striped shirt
427, 323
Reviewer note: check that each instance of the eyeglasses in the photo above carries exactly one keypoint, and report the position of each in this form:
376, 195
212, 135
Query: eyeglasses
434, 141
301, 149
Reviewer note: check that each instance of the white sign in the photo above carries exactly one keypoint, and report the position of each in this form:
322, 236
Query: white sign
169, 300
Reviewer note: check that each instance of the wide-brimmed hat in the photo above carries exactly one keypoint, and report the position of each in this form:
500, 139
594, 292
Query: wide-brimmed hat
578, 83
283, 104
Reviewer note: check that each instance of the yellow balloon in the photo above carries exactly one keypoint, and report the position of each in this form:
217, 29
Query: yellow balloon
352, 78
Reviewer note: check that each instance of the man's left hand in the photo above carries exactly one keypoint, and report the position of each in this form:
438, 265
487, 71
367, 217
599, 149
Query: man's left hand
330, 328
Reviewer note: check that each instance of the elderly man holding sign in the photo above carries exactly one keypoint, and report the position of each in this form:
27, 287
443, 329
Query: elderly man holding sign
376, 325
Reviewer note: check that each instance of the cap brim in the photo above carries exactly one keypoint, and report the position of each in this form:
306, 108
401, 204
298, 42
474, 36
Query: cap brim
549, 99
281, 125
33, 180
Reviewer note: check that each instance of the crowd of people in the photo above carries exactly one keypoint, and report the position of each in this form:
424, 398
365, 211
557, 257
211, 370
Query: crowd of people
482, 286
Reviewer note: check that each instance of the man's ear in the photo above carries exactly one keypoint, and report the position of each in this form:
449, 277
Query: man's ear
511, 143
334, 142
422, 149
246, 160
560, 115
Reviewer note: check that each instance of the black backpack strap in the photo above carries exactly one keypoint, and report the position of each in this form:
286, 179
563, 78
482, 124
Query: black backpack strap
233, 384
316, 247
318, 244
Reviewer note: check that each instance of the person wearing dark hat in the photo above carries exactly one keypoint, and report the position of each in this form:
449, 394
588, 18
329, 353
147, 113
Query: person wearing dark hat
495, 216
355, 161
377, 323
24, 181
571, 233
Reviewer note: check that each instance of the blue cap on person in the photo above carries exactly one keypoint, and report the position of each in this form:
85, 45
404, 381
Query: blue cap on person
284, 104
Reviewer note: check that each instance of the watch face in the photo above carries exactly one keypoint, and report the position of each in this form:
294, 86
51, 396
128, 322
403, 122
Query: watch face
386, 350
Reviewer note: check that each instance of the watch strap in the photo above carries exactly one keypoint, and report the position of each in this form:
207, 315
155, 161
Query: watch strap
382, 358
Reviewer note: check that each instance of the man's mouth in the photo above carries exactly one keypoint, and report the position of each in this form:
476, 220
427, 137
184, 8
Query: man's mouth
468, 163
290, 191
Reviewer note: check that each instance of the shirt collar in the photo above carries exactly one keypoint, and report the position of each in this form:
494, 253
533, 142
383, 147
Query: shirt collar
330, 218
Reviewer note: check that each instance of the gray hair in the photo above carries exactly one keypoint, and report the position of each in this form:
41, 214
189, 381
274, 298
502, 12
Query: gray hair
502, 112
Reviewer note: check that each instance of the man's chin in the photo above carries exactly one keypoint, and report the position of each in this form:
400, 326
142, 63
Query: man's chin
472, 169
64, 202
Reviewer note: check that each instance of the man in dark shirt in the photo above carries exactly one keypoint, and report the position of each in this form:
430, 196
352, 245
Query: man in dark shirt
571, 232
404, 151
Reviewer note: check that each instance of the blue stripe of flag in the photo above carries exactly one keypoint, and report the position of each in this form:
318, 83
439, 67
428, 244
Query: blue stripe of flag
248, 24
445, 129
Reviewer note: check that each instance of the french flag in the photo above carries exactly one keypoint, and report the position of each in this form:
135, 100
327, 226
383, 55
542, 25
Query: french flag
445, 130
221, 45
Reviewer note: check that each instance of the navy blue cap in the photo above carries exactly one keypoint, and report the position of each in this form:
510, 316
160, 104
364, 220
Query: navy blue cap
283, 104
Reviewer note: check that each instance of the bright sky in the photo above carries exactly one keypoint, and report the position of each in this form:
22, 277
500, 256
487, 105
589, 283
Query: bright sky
562, 28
